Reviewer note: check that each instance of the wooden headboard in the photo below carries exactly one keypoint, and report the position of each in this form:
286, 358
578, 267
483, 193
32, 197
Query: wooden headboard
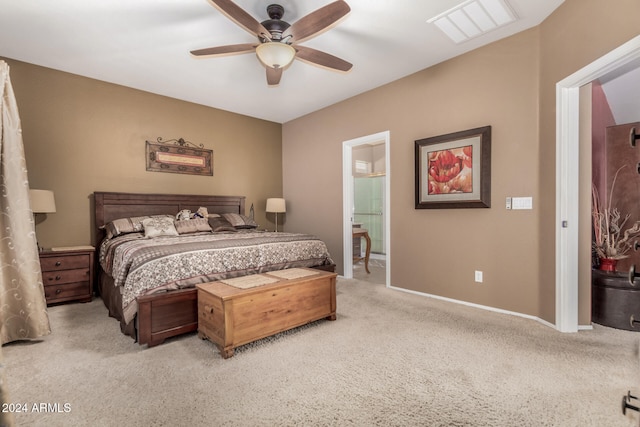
110, 205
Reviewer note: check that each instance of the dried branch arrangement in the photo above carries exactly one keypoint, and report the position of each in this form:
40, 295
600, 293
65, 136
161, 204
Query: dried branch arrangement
611, 238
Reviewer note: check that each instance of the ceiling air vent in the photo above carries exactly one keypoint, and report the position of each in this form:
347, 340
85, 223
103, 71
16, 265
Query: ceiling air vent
473, 18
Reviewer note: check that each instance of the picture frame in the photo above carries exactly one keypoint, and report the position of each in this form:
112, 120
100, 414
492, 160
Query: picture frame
178, 156
454, 170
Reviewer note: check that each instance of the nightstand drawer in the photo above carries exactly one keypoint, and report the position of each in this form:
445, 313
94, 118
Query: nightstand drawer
59, 292
65, 276
54, 263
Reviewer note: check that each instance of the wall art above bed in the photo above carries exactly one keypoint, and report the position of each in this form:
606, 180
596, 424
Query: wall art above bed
179, 156
454, 170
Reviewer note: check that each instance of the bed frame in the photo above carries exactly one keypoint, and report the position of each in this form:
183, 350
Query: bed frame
162, 315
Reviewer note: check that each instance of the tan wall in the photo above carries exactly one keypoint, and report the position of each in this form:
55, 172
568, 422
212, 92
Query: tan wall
436, 251
509, 85
82, 135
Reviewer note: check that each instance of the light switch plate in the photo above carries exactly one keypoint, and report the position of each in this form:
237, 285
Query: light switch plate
523, 203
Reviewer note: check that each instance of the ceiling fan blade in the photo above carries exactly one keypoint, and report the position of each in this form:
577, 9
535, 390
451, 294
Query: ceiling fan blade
317, 21
240, 17
225, 50
322, 58
273, 76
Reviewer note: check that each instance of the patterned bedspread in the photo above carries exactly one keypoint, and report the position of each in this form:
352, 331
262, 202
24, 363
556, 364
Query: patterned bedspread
142, 266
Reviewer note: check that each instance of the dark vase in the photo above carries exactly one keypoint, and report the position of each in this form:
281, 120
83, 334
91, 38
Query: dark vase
608, 264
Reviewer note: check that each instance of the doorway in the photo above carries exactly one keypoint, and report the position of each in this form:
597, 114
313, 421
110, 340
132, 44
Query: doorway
567, 177
366, 205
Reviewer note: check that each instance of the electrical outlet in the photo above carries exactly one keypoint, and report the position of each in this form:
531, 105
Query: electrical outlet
478, 276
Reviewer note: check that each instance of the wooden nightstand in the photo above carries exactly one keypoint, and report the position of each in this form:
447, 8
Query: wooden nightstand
67, 274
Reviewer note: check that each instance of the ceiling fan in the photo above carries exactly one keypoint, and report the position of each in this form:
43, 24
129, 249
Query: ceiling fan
278, 40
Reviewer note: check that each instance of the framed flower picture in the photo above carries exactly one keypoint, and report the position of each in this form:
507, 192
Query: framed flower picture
454, 170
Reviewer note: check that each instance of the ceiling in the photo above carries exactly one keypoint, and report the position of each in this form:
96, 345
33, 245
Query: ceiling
145, 44
622, 89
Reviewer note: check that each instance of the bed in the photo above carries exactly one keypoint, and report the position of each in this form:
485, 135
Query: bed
161, 307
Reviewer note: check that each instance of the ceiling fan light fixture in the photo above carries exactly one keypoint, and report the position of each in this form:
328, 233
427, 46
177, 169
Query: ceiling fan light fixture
275, 54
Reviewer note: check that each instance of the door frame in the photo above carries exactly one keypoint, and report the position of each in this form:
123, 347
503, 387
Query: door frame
567, 176
347, 200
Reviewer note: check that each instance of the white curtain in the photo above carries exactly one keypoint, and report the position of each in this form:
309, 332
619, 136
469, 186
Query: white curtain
23, 308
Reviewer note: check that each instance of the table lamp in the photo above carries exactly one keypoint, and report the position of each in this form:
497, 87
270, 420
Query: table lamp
43, 202
276, 206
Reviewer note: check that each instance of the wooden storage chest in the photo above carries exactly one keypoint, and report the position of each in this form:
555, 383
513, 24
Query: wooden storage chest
230, 316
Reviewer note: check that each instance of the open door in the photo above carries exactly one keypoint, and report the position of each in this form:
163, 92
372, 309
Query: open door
379, 172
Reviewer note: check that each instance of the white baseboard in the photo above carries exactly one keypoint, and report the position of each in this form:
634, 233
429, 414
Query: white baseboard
485, 307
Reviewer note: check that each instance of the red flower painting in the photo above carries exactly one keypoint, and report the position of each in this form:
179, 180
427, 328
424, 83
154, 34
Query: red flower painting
450, 171
454, 170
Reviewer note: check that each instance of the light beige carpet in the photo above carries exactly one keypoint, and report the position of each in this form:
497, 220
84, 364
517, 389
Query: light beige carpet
391, 359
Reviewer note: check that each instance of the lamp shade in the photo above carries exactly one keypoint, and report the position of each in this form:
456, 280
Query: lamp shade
276, 205
275, 54
42, 201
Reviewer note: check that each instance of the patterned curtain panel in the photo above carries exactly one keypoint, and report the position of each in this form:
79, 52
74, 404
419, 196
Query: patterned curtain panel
23, 309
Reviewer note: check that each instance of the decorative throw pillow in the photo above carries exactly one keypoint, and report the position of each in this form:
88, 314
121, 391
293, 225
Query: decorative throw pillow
219, 224
240, 221
192, 225
124, 225
159, 226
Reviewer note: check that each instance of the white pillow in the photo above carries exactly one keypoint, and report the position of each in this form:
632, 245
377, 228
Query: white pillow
159, 226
